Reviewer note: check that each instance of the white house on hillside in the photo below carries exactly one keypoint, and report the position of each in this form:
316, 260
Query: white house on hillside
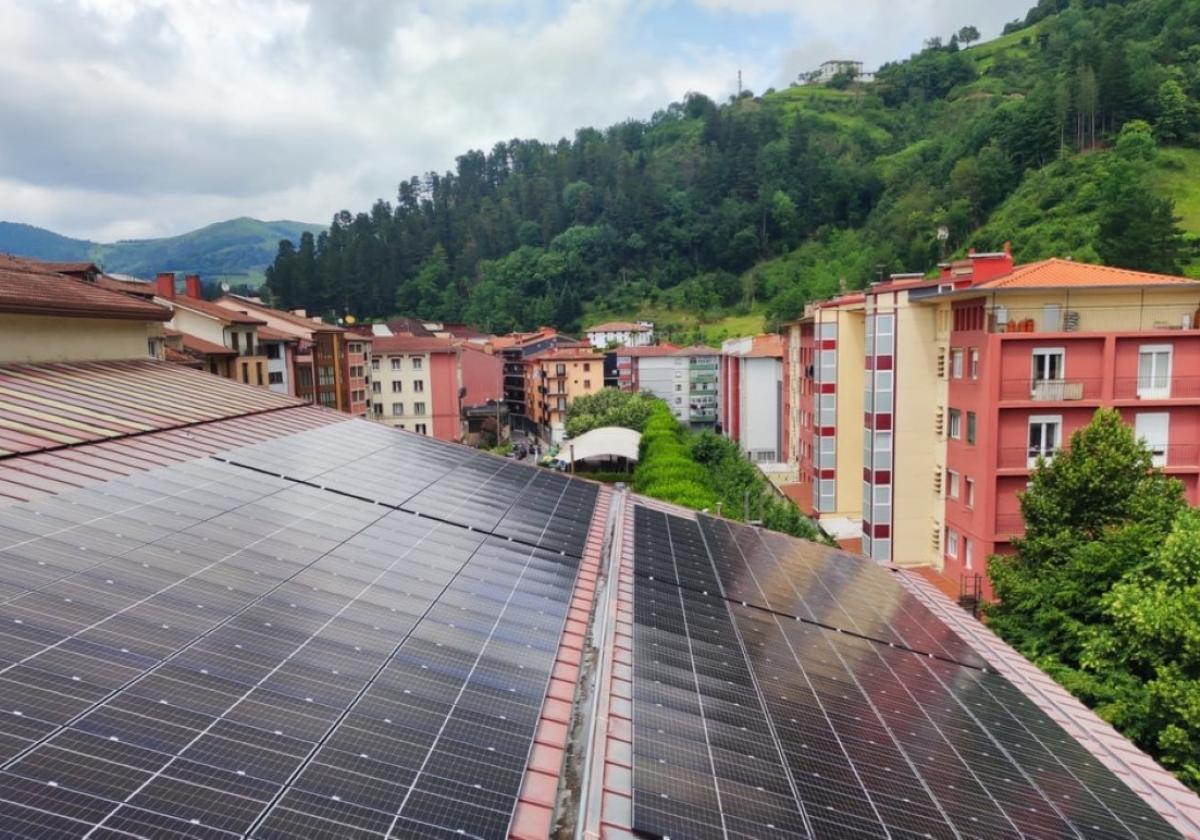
625, 333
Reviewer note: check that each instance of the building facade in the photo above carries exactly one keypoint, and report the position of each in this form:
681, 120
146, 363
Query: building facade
554, 378
966, 380
623, 333
751, 396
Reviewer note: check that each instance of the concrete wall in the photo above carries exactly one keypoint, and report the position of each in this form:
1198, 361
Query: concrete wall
482, 375
38, 338
761, 408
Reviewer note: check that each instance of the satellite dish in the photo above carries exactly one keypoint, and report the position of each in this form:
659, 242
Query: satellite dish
224, 287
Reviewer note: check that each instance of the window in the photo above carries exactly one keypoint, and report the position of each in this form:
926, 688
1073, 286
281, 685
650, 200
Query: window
378, 409
419, 408
587, 367
397, 409
1046, 379
418, 364
883, 391
397, 361
956, 363
1154, 371
560, 370
246, 372
397, 387
955, 424
421, 429
885, 326
258, 372
967, 562
971, 427
973, 363
375, 364
271, 350
1045, 436
1153, 428
235, 337
970, 493
275, 377
953, 484
419, 386
587, 384
376, 387
951, 543
678, 387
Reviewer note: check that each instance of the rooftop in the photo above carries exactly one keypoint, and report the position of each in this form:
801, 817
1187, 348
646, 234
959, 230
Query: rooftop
238, 303
1057, 273
619, 326
213, 310
412, 344
581, 353
665, 349
285, 623
28, 287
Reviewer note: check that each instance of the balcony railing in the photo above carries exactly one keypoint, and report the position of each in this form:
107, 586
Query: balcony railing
1176, 455
1050, 390
1156, 388
1069, 319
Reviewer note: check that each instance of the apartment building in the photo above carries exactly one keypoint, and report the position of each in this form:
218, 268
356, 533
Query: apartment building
966, 380
426, 384
323, 363
65, 312
226, 341
750, 387
553, 379
516, 349
624, 333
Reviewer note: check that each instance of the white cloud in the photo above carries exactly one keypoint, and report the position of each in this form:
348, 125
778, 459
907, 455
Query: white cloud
150, 117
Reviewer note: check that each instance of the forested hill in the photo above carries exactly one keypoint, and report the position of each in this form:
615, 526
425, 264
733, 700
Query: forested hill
1069, 135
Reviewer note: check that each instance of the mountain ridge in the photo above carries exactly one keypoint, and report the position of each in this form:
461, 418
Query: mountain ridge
237, 250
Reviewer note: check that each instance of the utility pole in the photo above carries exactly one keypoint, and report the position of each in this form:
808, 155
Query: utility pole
739, 93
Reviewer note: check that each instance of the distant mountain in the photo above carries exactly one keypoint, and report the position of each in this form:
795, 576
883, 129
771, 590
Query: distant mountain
237, 250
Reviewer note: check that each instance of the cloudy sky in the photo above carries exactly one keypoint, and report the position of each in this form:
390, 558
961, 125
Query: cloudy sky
131, 118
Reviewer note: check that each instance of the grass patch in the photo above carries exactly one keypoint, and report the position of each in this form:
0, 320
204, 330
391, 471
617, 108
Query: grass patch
681, 327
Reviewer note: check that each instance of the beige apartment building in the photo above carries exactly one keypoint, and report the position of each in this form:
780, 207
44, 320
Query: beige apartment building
553, 379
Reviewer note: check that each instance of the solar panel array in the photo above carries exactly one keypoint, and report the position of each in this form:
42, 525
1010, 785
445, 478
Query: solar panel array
212, 651
782, 689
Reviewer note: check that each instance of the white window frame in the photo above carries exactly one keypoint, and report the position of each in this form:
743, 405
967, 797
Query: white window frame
957, 359
968, 561
953, 484
954, 422
1043, 420
969, 486
973, 362
1158, 448
397, 362
952, 543
1153, 389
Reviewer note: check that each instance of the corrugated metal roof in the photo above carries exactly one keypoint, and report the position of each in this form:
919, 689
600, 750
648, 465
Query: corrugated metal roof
57, 405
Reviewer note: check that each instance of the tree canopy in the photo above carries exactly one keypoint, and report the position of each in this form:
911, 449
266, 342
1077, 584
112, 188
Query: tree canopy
765, 202
1103, 590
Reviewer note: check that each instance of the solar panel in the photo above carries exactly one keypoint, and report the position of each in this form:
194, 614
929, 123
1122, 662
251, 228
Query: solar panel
737, 647
449, 483
212, 651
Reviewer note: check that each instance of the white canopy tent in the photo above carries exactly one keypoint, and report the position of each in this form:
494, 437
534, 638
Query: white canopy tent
606, 442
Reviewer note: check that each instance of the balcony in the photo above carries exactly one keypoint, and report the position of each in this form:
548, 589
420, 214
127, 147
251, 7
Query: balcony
1156, 388
1092, 319
1184, 456
1050, 390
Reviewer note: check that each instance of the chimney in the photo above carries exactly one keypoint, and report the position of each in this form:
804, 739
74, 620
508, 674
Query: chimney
166, 285
192, 287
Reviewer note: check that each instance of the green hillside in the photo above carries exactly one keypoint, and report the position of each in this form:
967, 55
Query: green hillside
709, 211
237, 250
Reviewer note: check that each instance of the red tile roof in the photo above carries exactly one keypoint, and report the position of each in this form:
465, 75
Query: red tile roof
412, 344
239, 303
769, 346
130, 287
205, 347
618, 326
1056, 273
267, 333
650, 350
567, 353
28, 288
213, 310
697, 350
50, 406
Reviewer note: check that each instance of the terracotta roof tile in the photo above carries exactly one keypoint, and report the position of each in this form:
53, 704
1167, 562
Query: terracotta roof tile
268, 333
1056, 273
34, 292
213, 310
412, 344
618, 326
650, 350
205, 347
237, 303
